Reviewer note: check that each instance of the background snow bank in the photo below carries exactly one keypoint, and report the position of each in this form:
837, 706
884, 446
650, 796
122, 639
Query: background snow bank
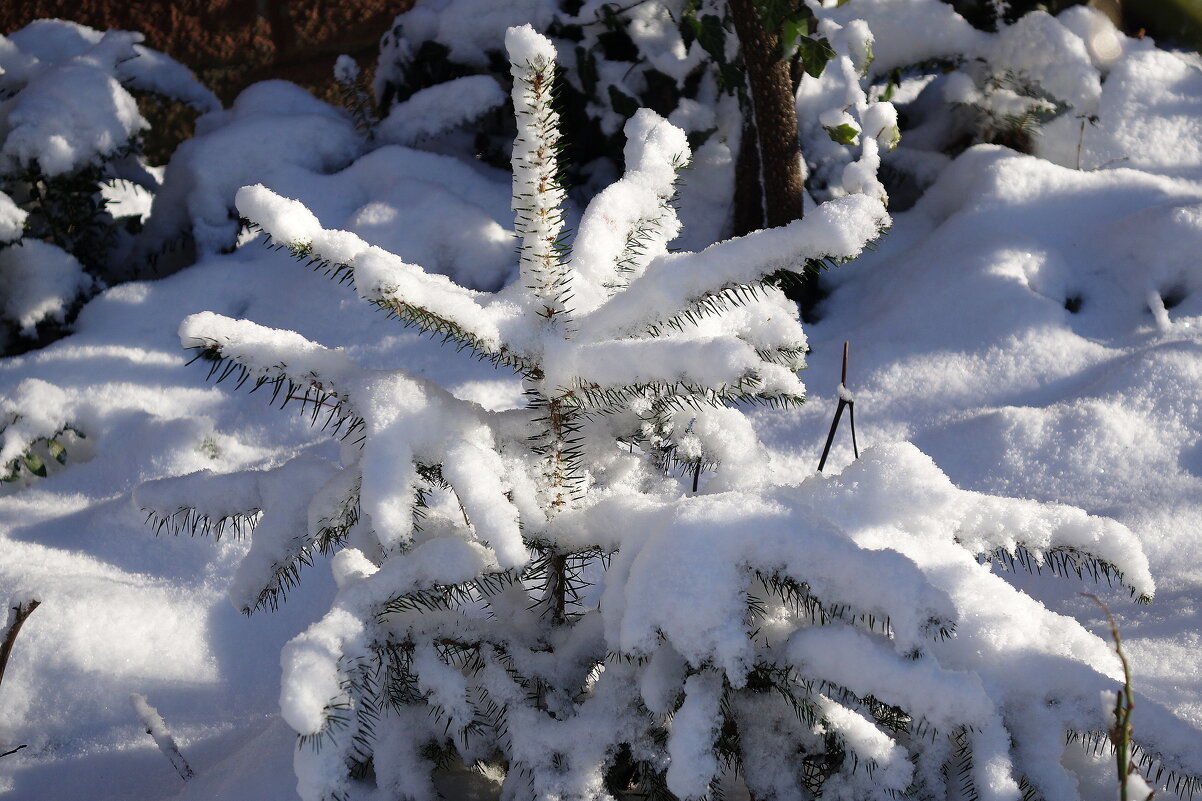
962, 341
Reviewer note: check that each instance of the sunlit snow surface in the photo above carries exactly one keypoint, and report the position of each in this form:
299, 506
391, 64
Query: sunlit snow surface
961, 342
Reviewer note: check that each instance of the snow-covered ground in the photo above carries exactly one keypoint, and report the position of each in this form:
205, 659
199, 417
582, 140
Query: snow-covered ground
1035, 329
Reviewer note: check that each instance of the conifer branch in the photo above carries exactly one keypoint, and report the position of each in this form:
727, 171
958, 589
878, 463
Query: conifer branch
354, 712
634, 252
452, 333
729, 296
558, 441
408, 313
188, 519
1063, 561
1150, 763
649, 234
356, 96
961, 763
805, 699
331, 533
558, 578
330, 408
801, 602
681, 395
711, 303
538, 192
449, 597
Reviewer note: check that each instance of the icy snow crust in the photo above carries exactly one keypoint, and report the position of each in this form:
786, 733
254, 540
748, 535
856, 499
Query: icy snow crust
961, 344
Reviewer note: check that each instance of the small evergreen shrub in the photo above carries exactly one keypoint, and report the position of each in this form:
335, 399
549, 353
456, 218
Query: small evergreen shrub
73, 186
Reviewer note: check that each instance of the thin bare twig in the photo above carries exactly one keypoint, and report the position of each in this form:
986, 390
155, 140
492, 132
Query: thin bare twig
1124, 705
156, 728
23, 611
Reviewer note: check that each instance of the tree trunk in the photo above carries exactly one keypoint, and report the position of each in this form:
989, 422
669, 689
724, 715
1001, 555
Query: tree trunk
283, 32
749, 185
775, 112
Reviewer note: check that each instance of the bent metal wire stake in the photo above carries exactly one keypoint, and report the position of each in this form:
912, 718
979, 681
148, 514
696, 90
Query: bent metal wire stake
845, 399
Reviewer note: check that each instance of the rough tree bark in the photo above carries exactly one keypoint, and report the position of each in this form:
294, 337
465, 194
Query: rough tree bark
749, 188
768, 183
775, 113
283, 32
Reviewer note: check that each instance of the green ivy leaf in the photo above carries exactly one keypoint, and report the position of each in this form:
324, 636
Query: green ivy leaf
586, 68
711, 35
699, 138
774, 14
890, 137
35, 464
662, 94
610, 18
815, 53
869, 57
844, 133
895, 79
730, 78
688, 25
621, 102
57, 450
791, 34
616, 45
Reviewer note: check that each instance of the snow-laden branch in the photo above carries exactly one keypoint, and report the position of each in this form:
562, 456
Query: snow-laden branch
537, 194
407, 421
440, 108
157, 728
725, 365
672, 283
429, 300
283, 537
632, 220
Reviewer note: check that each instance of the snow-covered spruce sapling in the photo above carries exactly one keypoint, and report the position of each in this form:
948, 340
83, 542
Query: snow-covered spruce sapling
537, 591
